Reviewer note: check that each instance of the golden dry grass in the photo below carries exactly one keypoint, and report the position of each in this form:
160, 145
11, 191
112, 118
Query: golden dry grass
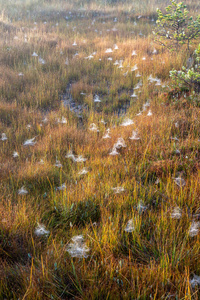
158, 259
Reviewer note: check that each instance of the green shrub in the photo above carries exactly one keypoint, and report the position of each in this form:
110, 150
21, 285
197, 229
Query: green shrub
189, 78
176, 28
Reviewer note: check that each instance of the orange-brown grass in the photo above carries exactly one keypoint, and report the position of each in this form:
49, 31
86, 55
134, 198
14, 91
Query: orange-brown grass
158, 258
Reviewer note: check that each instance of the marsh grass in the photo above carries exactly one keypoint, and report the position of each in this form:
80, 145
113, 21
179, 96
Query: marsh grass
158, 257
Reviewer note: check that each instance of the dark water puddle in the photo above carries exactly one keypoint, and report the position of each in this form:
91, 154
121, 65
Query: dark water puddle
69, 102
79, 108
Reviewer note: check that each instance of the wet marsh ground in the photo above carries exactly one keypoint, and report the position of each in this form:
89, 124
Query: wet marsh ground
99, 156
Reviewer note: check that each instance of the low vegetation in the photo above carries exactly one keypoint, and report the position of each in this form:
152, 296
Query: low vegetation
99, 153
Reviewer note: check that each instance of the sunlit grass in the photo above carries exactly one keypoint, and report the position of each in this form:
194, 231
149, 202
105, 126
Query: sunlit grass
99, 156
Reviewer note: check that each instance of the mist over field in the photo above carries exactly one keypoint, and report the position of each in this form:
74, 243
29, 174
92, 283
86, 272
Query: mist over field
99, 149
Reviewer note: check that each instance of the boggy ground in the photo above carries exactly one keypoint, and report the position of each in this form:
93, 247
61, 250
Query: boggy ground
137, 224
